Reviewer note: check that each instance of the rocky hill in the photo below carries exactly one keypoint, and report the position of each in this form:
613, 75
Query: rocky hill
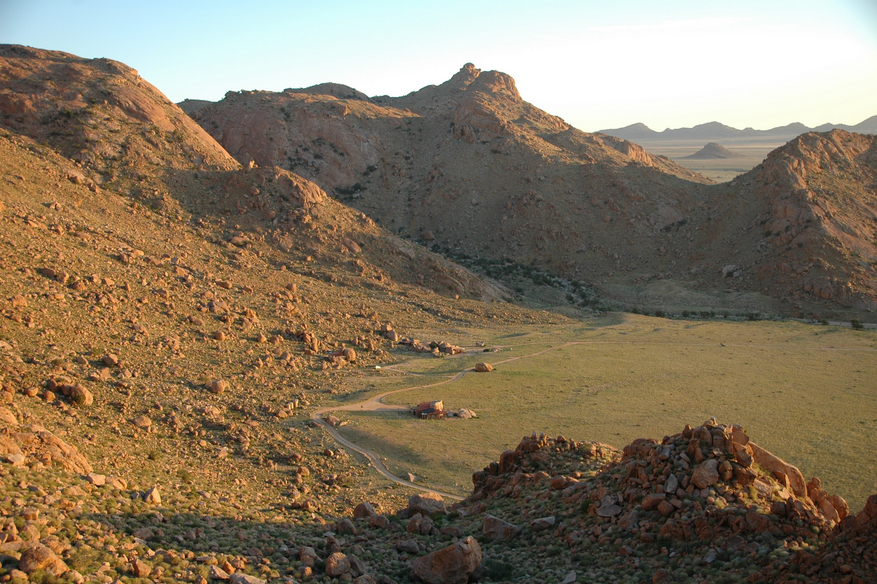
802, 224
470, 168
713, 150
167, 319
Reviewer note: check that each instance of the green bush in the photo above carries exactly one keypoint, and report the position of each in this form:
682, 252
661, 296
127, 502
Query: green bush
498, 570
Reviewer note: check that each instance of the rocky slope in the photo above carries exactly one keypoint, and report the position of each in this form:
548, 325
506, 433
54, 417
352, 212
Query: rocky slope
802, 224
472, 169
468, 166
168, 318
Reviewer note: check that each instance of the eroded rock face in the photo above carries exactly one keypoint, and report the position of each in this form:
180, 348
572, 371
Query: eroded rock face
451, 565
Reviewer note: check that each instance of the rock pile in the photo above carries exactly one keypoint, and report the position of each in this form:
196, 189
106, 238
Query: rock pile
708, 490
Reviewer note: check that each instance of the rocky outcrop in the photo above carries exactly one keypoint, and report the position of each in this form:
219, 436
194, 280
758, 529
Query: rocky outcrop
31, 444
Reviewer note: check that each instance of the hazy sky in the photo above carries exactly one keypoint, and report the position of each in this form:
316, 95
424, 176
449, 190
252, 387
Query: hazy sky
597, 64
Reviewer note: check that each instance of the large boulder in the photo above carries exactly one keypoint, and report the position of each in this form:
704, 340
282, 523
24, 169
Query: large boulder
706, 474
427, 504
451, 565
779, 468
498, 529
40, 557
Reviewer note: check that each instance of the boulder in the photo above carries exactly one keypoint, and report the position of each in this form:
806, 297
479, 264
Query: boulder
81, 396
408, 546
152, 496
774, 464
337, 564
483, 367
218, 386
363, 511
427, 504
7, 417
245, 579
542, 523
706, 474
671, 484
451, 565
466, 414
499, 530
40, 557
652, 500
307, 555
37, 443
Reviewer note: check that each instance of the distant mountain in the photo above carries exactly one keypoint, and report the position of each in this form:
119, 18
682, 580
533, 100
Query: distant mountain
715, 131
712, 151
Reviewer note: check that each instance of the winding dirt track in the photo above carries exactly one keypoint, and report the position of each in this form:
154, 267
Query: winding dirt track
375, 404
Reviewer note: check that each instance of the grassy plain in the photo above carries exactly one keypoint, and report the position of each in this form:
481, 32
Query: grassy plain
805, 392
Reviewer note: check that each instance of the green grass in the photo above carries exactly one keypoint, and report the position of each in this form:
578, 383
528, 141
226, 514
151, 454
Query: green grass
804, 392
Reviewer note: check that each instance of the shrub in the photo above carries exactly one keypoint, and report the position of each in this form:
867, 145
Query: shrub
498, 570
856, 324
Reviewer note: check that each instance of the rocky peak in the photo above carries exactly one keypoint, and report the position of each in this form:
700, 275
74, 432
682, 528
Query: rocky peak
337, 90
496, 82
466, 75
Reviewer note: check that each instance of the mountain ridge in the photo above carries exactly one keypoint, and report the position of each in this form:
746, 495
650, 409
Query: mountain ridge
468, 166
715, 131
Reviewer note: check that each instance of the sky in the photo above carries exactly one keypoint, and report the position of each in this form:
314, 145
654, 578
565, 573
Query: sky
596, 64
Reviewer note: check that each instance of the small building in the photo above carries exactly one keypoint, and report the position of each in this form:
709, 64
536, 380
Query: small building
433, 410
